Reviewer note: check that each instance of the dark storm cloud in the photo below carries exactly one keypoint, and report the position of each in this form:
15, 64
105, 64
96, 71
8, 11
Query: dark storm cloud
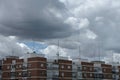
39, 19
94, 24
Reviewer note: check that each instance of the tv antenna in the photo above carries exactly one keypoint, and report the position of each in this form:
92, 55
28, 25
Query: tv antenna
58, 50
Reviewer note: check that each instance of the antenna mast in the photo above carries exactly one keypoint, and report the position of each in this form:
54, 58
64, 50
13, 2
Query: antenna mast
13, 53
112, 57
58, 50
79, 52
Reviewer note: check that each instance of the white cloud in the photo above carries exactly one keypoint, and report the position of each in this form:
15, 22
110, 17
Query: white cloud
52, 50
10, 46
77, 23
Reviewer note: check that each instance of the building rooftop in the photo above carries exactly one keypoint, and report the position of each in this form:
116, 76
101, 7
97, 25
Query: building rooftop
98, 62
34, 54
16, 57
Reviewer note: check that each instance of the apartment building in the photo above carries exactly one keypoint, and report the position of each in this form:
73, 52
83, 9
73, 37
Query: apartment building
65, 69
107, 71
31, 68
98, 74
12, 68
95, 70
37, 67
102, 71
83, 70
115, 70
118, 74
59, 69
87, 70
52, 69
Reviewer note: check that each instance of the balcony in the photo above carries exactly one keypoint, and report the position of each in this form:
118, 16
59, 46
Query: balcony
74, 75
53, 67
13, 75
98, 76
55, 76
115, 70
115, 77
24, 68
25, 74
97, 70
13, 67
79, 69
13, 70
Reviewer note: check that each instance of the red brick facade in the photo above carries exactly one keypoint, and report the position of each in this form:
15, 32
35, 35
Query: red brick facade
18, 69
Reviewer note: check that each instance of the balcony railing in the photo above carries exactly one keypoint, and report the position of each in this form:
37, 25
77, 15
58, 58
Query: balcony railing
52, 68
55, 76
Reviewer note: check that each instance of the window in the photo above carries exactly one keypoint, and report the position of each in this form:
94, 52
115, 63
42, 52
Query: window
42, 65
29, 65
85, 75
16, 66
56, 73
8, 67
62, 74
19, 74
29, 74
90, 75
74, 75
24, 74
12, 66
104, 70
109, 76
13, 61
12, 74
56, 61
90, 68
24, 66
20, 66
79, 74
55, 66
79, 68
62, 66
69, 67
42, 73
84, 67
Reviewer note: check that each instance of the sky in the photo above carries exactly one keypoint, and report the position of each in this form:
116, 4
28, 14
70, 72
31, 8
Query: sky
86, 28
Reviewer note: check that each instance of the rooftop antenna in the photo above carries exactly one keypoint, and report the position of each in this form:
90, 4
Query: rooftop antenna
12, 53
98, 55
112, 57
79, 52
58, 50
98, 51
94, 53
33, 47
101, 47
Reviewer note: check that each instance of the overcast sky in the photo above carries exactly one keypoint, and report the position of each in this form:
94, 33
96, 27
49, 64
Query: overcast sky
92, 25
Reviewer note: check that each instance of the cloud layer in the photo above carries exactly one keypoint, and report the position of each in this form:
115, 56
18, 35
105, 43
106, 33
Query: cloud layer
34, 19
91, 24
10, 46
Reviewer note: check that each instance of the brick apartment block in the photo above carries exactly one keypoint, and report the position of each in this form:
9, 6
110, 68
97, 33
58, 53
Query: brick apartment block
37, 67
